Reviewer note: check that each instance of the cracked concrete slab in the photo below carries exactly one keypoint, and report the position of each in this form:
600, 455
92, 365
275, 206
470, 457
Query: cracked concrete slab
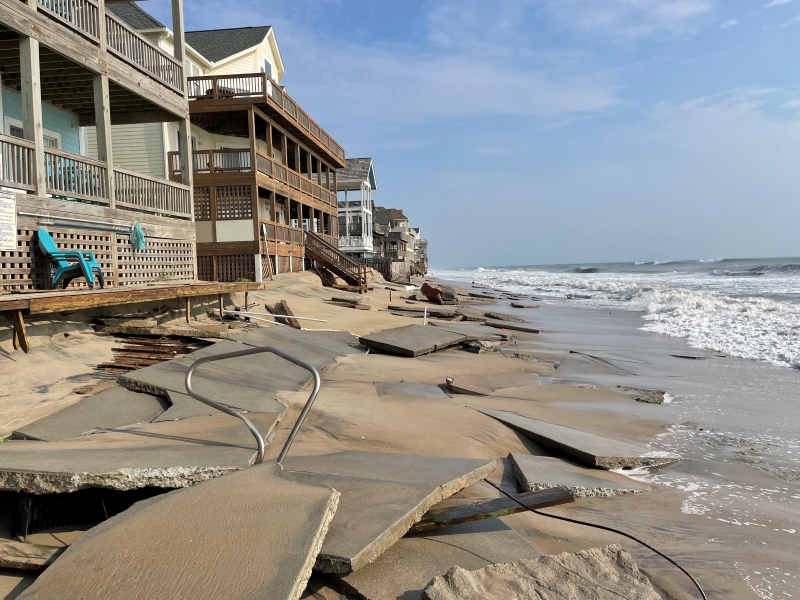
383, 495
414, 390
485, 385
115, 407
513, 326
408, 566
475, 333
536, 473
412, 340
251, 534
594, 450
167, 455
247, 383
606, 573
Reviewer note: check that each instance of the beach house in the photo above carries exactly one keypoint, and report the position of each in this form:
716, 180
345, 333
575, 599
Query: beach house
355, 184
70, 72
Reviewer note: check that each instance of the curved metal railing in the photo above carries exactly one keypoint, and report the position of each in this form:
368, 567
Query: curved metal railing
229, 411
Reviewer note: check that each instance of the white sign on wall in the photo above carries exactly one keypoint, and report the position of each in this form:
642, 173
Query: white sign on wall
8, 222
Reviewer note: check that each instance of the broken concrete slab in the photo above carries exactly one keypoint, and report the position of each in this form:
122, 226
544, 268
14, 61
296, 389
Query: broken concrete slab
247, 383
251, 534
412, 340
536, 473
581, 364
594, 450
606, 573
498, 316
433, 311
519, 305
114, 407
647, 396
415, 390
485, 385
408, 566
475, 333
26, 557
471, 314
382, 496
527, 328
166, 455
481, 347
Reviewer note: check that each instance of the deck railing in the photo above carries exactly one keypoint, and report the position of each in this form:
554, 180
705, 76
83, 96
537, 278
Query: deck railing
356, 241
282, 233
83, 17
149, 194
73, 176
259, 85
16, 163
239, 161
132, 46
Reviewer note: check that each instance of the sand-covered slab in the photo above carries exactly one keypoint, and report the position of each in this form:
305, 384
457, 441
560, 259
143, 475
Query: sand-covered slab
412, 340
536, 473
252, 534
408, 566
168, 455
115, 407
248, 382
594, 450
607, 573
485, 385
475, 333
26, 557
582, 364
526, 327
382, 496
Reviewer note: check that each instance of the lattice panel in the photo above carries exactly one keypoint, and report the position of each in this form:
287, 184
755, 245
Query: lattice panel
161, 260
205, 268
236, 267
202, 204
234, 202
24, 269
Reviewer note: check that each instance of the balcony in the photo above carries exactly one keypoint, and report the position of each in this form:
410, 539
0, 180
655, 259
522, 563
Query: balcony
356, 243
83, 17
259, 86
209, 162
74, 177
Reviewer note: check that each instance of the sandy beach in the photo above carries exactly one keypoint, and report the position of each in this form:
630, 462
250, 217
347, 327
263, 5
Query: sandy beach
728, 512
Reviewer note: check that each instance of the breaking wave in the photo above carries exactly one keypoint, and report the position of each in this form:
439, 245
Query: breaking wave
755, 317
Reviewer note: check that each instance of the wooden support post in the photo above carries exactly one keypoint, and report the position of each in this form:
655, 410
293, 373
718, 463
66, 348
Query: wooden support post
20, 335
189, 309
284, 150
246, 297
221, 309
32, 126
102, 111
270, 149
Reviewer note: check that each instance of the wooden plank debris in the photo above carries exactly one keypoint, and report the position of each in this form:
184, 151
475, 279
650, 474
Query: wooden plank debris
490, 509
284, 314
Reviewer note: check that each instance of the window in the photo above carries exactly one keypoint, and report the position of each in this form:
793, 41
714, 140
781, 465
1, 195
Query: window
14, 128
267, 68
194, 141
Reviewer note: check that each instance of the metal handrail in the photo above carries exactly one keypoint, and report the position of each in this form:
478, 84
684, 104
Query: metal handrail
229, 411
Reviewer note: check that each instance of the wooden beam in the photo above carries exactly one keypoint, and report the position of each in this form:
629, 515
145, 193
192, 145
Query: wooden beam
32, 124
105, 152
20, 335
490, 509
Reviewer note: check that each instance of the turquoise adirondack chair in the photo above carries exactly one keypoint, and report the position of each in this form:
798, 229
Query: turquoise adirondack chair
69, 264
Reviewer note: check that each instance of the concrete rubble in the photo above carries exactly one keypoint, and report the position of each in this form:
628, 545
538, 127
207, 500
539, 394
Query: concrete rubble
412, 340
593, 450
606, 573
514, 326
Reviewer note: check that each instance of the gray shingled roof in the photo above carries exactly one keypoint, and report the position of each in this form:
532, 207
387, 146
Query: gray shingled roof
134, 16
217, 44
355, 168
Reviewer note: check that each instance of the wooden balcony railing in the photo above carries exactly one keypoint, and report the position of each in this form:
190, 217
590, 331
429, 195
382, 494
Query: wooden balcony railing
83, 17
73, 176
259, 85
16, 163
282, 234
239, 161
149, 194
132, 46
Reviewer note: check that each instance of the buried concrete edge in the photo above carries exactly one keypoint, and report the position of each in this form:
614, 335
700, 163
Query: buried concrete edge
303, 577
340, 566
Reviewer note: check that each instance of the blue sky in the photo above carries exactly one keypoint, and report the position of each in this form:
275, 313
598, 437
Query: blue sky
557, 131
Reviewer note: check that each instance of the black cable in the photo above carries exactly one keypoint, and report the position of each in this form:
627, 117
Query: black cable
611, 529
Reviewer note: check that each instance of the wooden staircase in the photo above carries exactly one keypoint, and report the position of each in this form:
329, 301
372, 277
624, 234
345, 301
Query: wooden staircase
336, 262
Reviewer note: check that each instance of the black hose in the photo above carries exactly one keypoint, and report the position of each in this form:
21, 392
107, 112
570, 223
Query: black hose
611, 529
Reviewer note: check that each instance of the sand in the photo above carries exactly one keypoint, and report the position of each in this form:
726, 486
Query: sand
352, 413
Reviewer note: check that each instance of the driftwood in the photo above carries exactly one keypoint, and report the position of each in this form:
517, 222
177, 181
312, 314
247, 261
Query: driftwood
284, 314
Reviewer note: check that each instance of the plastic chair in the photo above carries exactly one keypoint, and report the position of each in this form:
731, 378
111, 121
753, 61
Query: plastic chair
69, 264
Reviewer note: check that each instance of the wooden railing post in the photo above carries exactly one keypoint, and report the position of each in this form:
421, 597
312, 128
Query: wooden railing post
105, 153
32, 126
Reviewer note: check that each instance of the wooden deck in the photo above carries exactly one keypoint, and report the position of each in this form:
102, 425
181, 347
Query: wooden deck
54, 301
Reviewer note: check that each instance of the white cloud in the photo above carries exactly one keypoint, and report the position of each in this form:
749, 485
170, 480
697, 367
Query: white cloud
791, 21
775, 3
791, 104
729, 24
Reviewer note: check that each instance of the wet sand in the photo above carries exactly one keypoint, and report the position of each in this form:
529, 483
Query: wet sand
728, 512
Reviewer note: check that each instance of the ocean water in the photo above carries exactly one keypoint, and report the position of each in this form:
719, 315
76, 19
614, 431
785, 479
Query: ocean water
740, 307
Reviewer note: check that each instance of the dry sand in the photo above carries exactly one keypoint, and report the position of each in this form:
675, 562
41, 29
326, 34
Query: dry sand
352, 413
